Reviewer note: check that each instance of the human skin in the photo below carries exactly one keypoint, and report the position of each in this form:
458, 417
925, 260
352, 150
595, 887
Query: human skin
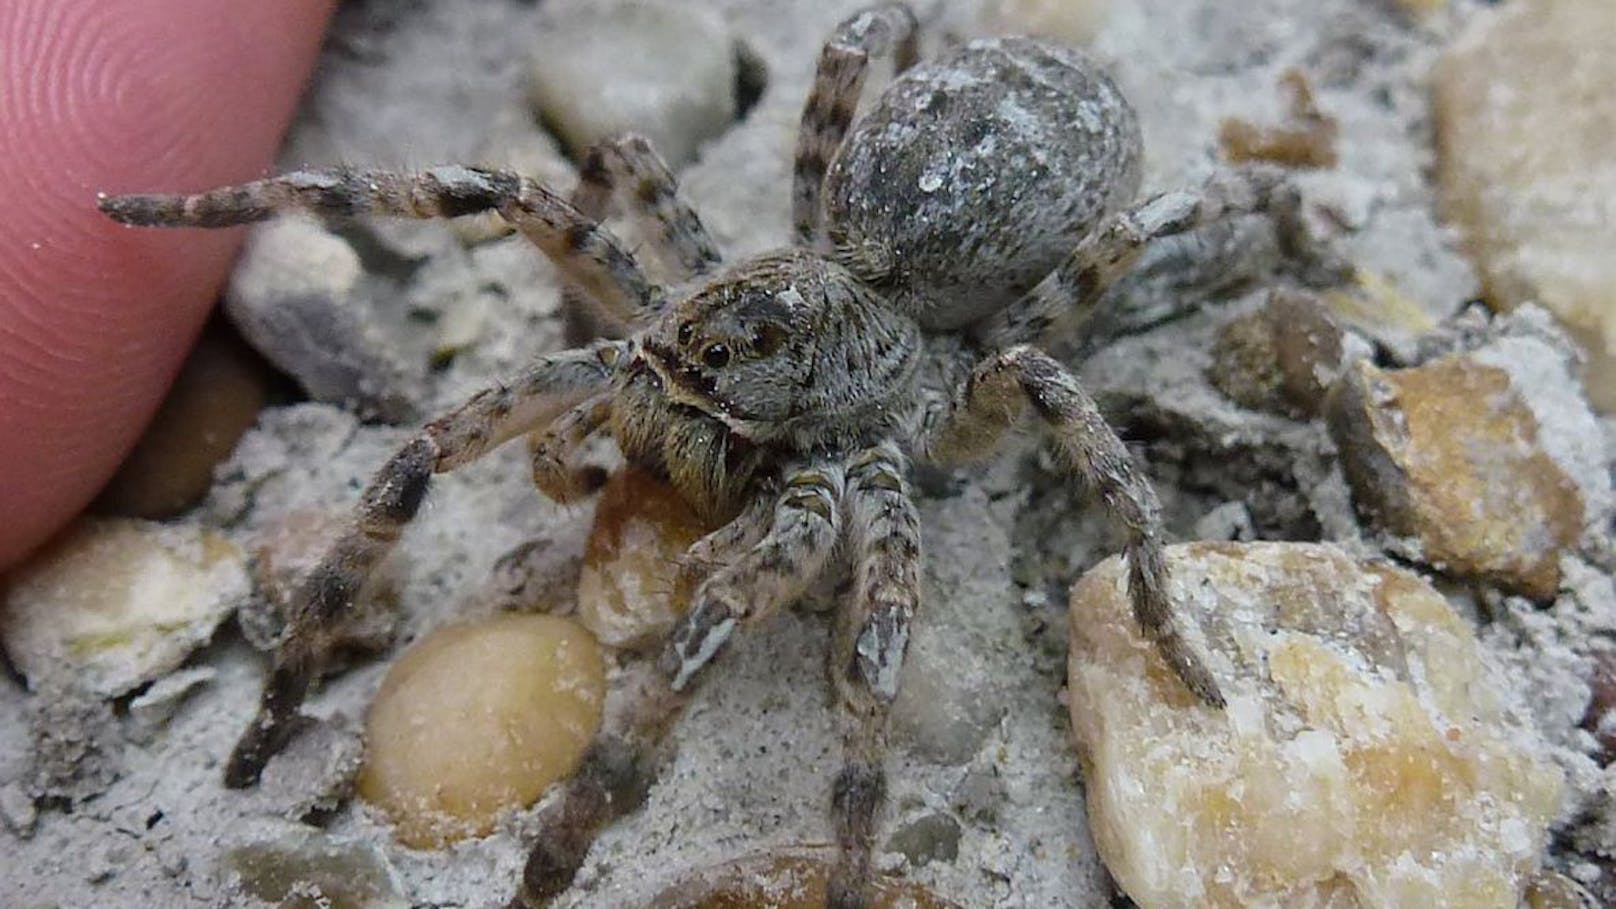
95, 319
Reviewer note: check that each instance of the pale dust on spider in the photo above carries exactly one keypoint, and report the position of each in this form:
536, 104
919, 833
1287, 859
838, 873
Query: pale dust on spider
978, 209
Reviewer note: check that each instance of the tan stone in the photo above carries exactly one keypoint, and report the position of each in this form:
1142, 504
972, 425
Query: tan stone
1448, 453
1073, 22
215, 398
1526, 121
631, 591
1282, 358
304, 868
1379, 310
783, 880
478, 718
1362, 760
1306, 139
117, 602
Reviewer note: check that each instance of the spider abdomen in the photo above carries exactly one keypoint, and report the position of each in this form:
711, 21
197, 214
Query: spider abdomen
972, 176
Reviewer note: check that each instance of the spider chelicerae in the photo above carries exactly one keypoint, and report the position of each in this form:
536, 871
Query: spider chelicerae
980, 206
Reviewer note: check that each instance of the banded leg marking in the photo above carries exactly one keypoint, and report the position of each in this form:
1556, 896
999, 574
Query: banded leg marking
628, 168
550, 451
872, 636
584, 251
388, 504
1065, 299
833, 100
998, 393
772, 573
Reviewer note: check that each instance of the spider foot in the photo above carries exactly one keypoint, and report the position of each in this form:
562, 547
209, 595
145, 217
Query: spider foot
697, 640
278, 721
613, 780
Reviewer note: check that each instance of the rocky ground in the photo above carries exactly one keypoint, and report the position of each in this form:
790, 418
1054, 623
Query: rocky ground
110, 790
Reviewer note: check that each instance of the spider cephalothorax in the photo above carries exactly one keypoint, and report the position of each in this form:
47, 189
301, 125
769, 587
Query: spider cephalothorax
979, 208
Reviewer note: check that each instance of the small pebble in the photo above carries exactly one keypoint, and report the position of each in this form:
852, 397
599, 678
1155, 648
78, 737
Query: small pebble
215, 398
1525, 122
151, 710
1454, 455
787, 879
465, 320
1281, 358
104, 866
306, 869
17, 810
979, 795
1306, 139
315, 775
117, 602
1553, 890
933, 837
1363, 758
663, 69
1229, 521
631, 589
1379, 310
478, 718
292, 295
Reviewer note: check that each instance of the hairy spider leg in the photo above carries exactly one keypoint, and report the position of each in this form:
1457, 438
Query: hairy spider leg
887, 28
628, 169
585, 252
1059, 305
391, 500
550, 449
774, 572
999, 392
622, 761
872, 635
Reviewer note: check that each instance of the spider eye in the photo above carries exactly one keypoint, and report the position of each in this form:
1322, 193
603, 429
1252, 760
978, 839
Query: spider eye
686, 332
716, 356
766, 339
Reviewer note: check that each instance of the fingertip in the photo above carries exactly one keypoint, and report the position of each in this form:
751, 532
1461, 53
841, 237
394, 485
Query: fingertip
95, 318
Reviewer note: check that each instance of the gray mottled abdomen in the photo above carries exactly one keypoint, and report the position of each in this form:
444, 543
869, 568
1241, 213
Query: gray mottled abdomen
973, 175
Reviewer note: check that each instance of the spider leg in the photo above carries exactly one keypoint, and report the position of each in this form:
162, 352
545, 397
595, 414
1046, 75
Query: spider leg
995, 397
584, 251
803, 530
389, 502
621, 763
628, 167
884, 536
549, 450
843, 64
613, 779
715, 550
1065, 299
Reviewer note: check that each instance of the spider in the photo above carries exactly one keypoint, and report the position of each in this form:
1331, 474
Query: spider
981, 205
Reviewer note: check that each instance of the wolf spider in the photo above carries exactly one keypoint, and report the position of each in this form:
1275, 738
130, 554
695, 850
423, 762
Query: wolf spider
981, 205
